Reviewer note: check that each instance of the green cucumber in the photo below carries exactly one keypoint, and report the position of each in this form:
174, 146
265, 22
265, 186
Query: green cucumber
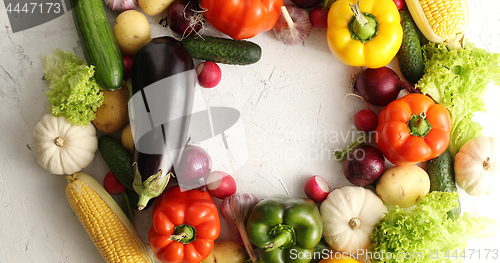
410, 57
442, 176
118, 159
223, 50
319, 251
98, 42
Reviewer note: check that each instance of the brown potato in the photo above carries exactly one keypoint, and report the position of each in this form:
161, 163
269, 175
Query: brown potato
403, 185
112, 115
127, 139
154, 7
131, 31
226, 252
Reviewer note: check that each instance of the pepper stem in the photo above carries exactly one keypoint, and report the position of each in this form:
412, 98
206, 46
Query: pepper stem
151, 188
363, 26
184, 234
283, 236
359, 16
418, 125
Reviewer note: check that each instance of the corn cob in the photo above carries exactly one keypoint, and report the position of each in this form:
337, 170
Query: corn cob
105, 223
441, 21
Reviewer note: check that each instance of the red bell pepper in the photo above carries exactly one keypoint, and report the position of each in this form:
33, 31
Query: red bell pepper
242, 19
185, 226
413, 129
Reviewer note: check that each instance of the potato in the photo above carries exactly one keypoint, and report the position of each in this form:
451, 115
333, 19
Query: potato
127, 139
226, 252
112, 115
131, 31
154, 7
403, 185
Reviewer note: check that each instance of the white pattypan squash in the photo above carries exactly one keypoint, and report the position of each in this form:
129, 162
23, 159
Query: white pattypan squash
61, 147
349, 217
477, 166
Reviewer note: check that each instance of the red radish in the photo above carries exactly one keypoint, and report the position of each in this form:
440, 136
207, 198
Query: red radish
400, 4
365, 120
112, 184
319, 17
127, 65
209, 74
220, 184
316, 189
185, 17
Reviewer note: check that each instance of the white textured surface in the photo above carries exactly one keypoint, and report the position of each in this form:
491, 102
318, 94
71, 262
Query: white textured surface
293, 116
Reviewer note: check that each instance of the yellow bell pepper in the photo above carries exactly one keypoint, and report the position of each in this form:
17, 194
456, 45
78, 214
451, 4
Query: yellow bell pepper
364, 33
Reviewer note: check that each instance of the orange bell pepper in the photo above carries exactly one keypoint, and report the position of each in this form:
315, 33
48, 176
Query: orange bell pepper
241, 19
185, 226
413, 129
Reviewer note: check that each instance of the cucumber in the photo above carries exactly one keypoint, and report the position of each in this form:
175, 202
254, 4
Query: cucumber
319, 250
98, 42
410, 57
223, 50
118, 160
442, 176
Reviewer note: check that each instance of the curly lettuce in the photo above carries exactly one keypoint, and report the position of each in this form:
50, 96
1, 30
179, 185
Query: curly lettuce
73, 91
458, 79
426, 233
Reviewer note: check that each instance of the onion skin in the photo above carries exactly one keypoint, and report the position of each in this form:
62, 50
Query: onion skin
379, 86
194, 167
364, 165
185, 17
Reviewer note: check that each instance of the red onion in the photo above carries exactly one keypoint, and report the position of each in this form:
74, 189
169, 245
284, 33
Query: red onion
378, 86
236, 209
185, 17
364, 165
195, 165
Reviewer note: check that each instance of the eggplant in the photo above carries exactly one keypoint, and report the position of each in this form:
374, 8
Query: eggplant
162, 86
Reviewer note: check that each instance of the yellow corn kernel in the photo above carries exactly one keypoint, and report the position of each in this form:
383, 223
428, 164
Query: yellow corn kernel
105, 223
440, 20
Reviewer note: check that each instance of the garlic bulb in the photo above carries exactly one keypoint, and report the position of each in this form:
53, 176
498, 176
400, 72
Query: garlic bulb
121, 5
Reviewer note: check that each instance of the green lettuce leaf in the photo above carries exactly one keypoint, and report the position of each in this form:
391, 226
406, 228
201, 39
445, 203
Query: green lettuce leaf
425, 233
73, 91
458, 79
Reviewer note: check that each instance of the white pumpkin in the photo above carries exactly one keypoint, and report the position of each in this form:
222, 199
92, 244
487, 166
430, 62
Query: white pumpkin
349, 217
477, 166
61, 147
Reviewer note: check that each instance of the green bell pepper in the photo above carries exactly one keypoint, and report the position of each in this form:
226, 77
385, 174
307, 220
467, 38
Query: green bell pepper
286, 230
